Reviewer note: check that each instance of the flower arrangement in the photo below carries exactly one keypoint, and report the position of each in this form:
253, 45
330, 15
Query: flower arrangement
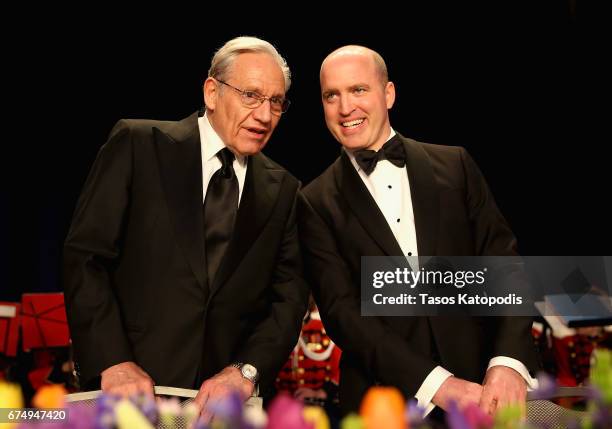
382, 408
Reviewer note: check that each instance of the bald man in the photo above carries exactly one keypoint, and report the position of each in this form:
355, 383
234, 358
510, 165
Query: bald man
430, 201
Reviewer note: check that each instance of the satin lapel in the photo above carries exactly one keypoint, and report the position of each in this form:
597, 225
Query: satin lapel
180, 165
364, 207
261, 188
425, 197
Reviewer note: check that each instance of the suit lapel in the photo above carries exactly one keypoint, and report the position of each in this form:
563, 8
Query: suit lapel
425, 201
364, 207
180, 165
261, 188
425, 196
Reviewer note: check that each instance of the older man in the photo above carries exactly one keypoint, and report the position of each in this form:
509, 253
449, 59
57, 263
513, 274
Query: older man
182, 265
389, 195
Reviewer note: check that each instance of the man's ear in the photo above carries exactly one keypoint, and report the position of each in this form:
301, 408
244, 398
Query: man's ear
390, 94
211, 92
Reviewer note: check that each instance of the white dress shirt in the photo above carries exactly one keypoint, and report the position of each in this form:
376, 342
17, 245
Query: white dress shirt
390, 187
211, 143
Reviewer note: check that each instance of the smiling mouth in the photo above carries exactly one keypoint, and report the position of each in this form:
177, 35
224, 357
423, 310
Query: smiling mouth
352, 124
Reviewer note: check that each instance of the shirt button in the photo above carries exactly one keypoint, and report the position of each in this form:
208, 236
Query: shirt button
409, 253
398, 220
389, 186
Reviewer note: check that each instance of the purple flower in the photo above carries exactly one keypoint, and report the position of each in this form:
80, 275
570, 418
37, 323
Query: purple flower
594, 395
414, 414
228, 410
105, 411
81, 416
547, 386
455, 419
602, 417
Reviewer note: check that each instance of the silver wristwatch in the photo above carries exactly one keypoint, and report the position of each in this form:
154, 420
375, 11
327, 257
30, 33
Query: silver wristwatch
248, 371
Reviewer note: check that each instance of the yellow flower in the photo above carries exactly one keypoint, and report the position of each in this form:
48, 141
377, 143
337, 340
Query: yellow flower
352, 421
10, 395
51, 396
129, 417
317, 416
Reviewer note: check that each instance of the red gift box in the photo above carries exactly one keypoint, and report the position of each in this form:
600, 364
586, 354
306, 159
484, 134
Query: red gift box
9, 327
43, 321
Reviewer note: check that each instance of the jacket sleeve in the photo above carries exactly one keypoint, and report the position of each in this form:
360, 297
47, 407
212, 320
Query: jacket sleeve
493, 237
272, 340
91, 250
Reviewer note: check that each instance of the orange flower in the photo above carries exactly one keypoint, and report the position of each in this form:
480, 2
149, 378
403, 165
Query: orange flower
51, 396
383, 408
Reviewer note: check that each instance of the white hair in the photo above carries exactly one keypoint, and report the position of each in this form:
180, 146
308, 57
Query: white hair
225, 56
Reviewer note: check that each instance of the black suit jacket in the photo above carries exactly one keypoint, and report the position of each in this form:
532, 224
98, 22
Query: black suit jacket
455, 215
134, 263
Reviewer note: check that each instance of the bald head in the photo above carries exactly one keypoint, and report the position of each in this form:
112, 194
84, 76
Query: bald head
357, 50
356, 96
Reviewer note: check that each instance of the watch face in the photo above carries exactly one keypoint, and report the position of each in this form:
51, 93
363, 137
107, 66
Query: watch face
249, 371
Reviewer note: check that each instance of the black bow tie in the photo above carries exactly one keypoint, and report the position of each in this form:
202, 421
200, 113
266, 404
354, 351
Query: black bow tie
393, 151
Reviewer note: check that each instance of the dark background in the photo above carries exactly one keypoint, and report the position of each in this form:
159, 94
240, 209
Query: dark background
507, 81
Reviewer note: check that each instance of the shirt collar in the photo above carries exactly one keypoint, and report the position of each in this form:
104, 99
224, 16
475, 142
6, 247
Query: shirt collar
211, 142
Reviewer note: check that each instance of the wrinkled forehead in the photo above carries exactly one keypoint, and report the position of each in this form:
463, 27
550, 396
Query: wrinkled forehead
257, 71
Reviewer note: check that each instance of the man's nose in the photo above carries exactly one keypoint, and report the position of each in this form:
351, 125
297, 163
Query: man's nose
262, 113
346, 105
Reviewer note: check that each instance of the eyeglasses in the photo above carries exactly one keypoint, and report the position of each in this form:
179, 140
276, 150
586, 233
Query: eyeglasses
253, 100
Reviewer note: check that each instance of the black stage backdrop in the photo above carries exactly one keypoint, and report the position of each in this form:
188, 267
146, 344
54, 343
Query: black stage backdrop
506, 81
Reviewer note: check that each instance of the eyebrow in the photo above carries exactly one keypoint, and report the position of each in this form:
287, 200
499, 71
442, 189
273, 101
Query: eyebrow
350, 88
260, 92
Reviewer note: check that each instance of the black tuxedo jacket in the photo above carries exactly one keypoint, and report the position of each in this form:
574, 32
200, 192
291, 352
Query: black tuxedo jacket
455, 215
135, 269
